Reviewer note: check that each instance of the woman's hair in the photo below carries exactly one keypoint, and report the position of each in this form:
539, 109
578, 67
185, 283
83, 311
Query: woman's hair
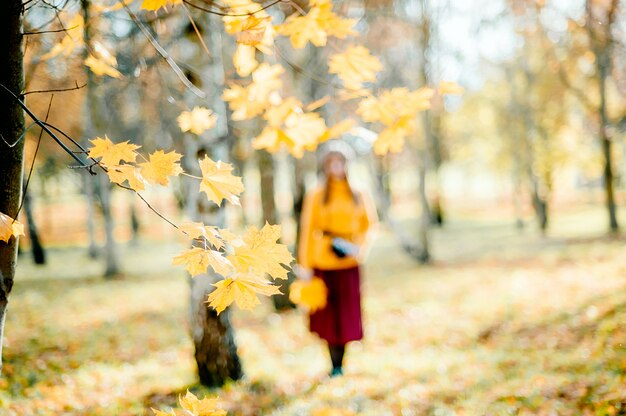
337, 153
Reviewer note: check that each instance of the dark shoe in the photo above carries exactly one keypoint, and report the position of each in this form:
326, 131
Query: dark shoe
336, 371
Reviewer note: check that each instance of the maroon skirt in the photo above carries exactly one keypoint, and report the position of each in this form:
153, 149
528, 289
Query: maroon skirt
340, 321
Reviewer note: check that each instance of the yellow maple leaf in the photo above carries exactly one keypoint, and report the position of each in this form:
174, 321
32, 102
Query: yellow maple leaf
197, 260
241, 289
155, 5
198, 230
449, 87
250, 101
277, 114
392, 138
260, 253
218, 182
300, 132
201, 407
355, 66
127, 173
244, 60
9, 227
312, 294
100, 67
315, 27
112, 153
196, 121
162, 413
160, 167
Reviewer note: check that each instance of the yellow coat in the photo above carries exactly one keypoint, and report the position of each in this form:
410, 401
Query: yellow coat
339, 217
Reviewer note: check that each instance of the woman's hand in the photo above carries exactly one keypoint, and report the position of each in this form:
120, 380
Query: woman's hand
303, 273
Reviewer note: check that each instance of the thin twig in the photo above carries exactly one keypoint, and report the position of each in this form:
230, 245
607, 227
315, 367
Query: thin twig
204, 9
164, 53
77, 87
43, 125
42, 32
32, 166
197, 31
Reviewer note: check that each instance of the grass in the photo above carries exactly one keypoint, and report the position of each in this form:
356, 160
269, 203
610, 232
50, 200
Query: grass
501, 324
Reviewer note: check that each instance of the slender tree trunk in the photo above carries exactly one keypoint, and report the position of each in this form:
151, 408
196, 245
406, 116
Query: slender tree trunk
423, 254
11, 147
94, 125
37, 250
607, 144
90, 196
268, 202
601, 39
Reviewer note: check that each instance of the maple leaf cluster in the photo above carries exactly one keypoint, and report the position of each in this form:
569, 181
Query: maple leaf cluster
244, 261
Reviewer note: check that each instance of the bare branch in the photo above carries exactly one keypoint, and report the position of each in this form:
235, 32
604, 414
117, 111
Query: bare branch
77, 87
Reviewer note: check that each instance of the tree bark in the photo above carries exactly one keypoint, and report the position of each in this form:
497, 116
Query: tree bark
11, 147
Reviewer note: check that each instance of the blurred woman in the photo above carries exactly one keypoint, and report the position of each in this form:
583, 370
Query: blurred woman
334, 230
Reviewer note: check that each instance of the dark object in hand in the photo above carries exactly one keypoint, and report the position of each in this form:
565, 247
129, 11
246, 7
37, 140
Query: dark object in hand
343, 248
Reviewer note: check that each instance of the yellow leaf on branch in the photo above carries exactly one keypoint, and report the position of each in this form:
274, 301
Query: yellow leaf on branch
392, 139
198, 230
127, 173
9, 227
244, 60
355, 66
160, 167
197, 260
155, 5
396, 109
112, 153
252, 100
196, 121
261, 253
100, 67
218, 182
300, 132
242, 290
316, 26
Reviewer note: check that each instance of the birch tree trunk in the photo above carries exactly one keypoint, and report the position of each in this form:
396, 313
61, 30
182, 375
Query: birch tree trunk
11, 147
94, 125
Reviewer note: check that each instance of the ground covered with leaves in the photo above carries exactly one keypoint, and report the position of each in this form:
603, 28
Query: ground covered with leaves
502, 323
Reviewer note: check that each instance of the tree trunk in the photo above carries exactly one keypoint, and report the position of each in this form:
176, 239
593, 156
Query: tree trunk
212, 334
213, 337
423, 255
111, 259
607, 145
94, 125
37, 250
540, 205
11, 151
90, 196
268, 203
